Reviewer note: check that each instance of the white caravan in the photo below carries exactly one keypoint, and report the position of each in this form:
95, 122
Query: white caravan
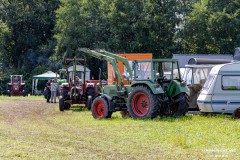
221, 91
195, 75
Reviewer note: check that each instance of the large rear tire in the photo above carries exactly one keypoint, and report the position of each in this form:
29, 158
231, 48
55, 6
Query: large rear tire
100, 108
61, 104
236, 114
180, 105
142, 103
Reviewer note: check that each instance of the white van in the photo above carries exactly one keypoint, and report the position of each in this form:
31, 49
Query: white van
221, 91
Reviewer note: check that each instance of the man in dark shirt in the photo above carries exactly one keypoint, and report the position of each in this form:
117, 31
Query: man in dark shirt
48, 91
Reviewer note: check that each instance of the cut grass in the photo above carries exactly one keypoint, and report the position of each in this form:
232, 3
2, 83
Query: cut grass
33, 129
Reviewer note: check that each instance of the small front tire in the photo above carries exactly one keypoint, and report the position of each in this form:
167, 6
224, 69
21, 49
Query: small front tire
100, 108
89, 102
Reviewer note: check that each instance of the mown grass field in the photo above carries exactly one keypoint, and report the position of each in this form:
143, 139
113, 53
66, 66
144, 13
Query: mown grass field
32, 129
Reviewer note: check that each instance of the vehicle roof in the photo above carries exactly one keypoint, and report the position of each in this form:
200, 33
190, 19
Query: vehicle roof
200, 66
158, 60
226, 69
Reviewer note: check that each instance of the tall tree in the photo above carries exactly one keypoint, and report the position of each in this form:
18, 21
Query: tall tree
164, 20
129, 26
212, 27
81, 23
4, 31
30, 24
145, 26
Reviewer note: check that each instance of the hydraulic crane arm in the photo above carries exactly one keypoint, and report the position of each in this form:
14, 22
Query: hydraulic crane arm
101, 56
119, 58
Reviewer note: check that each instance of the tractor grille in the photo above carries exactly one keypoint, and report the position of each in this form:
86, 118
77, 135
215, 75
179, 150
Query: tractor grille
15, 87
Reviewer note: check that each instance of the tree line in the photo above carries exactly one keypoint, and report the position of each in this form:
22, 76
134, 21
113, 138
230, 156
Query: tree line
35, 35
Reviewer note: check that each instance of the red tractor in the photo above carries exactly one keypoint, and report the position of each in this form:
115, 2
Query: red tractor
75, 90
16, 86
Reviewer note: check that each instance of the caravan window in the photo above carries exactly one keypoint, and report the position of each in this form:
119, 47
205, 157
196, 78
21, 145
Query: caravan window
208, 83
231, 82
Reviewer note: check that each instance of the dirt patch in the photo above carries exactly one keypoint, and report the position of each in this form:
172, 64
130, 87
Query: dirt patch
16, 109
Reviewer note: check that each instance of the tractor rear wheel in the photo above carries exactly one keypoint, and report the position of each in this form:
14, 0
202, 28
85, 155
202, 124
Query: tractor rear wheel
100, 108
236, 114
142, 103
180, 105
61, 104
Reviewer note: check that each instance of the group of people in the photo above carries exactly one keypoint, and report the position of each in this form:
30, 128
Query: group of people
52, 87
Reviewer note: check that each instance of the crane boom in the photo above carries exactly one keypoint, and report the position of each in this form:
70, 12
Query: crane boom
109, 59
119, 58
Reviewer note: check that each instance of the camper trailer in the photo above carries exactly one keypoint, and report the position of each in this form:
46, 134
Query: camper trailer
195, 75
221, 91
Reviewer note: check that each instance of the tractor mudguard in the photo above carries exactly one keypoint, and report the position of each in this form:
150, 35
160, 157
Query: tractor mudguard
176, 87
110, 103
152, 86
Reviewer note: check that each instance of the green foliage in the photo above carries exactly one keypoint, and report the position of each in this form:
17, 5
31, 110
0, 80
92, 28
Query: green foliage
212, 27
4, 30
30, 24
118, 26
81, 23
40, 32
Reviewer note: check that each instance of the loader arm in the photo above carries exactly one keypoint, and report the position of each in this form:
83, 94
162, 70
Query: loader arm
119, 58
101, 56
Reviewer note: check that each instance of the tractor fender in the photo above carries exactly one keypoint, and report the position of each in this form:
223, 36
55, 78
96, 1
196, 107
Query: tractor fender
175, 88
110, 103
150, 85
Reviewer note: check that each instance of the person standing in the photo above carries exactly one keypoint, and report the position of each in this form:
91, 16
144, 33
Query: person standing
54, 88
48, 90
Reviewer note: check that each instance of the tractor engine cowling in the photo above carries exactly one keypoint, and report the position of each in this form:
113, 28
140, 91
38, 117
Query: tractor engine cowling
78, 92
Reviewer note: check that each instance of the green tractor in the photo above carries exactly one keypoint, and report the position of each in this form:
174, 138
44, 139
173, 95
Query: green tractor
155, 88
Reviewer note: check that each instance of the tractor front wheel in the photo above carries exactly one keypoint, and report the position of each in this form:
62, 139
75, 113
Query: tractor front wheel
100, 108
63, 106
89, 102
142, 103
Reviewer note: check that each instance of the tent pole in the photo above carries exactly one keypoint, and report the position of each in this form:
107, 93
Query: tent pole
32, 85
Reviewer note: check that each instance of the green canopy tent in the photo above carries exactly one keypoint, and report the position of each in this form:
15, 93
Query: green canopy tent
44, 76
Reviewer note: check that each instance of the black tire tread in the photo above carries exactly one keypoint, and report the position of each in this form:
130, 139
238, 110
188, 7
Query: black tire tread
108, 114
154, 104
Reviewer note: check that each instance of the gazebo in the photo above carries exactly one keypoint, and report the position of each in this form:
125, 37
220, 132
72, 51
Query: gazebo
45, 76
